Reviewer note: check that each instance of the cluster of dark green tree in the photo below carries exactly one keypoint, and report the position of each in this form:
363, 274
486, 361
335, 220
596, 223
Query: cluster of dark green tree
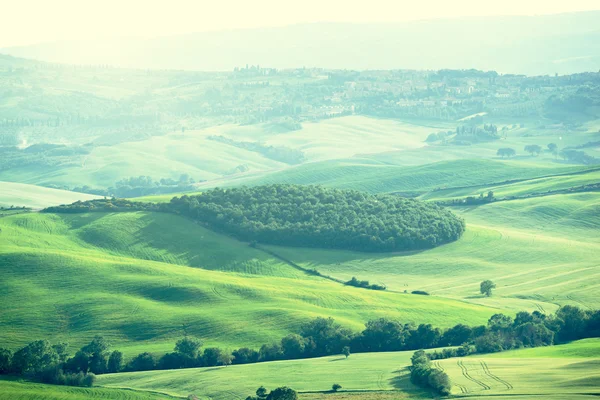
578, 156
364, 284
47, 363
281, 393
314, 216
470, 200
423, 374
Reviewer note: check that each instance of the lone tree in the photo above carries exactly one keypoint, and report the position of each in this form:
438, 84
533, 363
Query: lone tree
346, 351
552, 147
335, 387
262, 392
533, 149
506, 152
486, 287
283, 393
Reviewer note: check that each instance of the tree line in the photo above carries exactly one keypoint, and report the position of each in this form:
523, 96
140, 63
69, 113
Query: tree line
319, 337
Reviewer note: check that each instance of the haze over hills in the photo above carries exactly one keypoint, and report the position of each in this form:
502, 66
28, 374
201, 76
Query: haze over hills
563, 43
330, 199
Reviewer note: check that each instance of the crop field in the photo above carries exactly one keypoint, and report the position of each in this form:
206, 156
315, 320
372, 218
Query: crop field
23, 195
22, 390
378, 372
522, 376
169, 155
368, 371
535, 186
376, 177
541, 252
144, 280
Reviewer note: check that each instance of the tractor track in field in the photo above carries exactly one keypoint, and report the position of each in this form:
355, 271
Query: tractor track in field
578, 301
219, 294
463, 389
437, 365
380, 384
487, 371
540, 308
465, 373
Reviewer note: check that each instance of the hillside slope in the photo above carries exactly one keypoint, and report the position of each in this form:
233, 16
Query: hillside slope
31, 196
379, 371
129, 277
540, 252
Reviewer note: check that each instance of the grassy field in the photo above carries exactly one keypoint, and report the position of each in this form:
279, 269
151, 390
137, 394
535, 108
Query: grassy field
527, 187
168, 156
368, 371
375, 177
31, 196
524, 375
143, 280
540, 252
559, 372
22, 390
377, 372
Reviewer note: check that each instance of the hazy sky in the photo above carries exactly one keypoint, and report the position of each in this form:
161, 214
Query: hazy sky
34, 21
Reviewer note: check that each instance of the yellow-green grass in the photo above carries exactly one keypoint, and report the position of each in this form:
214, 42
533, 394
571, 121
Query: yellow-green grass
367, 371
377, 372
585, 348
24, 390
336, 138
145, 279
193, 153
524, 188
31, 196
535, 131
369, 395
491, 377
166, 156
377, 177
541, 252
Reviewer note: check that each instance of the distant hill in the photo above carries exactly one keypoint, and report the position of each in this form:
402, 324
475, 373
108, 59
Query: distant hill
533, 45
31, 196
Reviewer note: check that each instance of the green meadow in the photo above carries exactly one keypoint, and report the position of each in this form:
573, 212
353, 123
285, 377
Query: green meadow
143, 280
567, 371
516, 373
31, 196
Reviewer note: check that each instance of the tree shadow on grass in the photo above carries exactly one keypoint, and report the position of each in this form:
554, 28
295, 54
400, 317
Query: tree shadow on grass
338, 359
401, 380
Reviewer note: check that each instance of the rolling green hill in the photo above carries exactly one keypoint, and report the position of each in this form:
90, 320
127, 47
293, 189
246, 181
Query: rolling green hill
173, 153
539, 251
382, 371
143, 280
376, 177
21, 390
23, 195
522, 373
560, 372
527, 187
